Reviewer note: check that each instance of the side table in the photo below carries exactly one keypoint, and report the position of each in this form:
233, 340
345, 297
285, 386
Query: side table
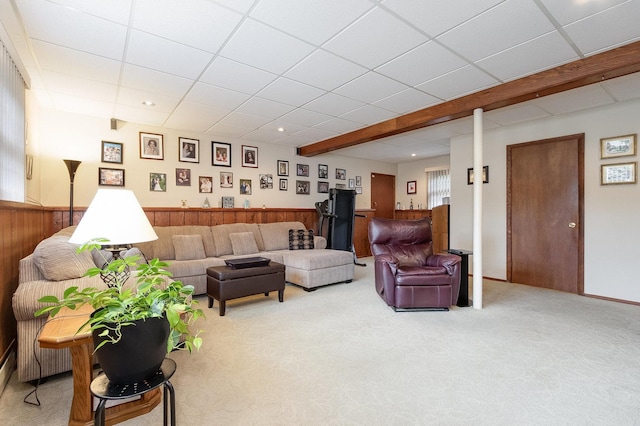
103, 389
463, 296
61, 332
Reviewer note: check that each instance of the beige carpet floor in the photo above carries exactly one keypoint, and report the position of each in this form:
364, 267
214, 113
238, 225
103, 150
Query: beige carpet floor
340, 356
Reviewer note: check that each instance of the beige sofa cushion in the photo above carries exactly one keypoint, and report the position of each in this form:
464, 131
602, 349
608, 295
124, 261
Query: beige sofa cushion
163, 248
57, 259
188, 247
223, 242
243, 243
276, 235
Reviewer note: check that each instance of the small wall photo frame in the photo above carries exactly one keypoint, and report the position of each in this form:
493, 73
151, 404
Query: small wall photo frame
352, 183
283, 168
266, 181
358, 190
358, 180
303, 187
412, 187
188, 150
245, 186
151, 146
485, 175
205, 184
323, 171
158, 182
323, 187
618, 146
302, 170
341, 174
619, 173
110, 177
249, 156
284, 185
220, 154
183, 177
226, 179
111, 152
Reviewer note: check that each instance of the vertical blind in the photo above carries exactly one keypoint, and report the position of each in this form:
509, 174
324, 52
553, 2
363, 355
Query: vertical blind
438, 187
12, 124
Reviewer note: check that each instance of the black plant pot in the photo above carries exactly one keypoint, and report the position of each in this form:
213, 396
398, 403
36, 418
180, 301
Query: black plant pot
138, 355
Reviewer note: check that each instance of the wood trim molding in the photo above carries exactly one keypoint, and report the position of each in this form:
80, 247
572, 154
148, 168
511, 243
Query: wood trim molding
603, 66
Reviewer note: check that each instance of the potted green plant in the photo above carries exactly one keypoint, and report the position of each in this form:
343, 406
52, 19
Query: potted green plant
124, 311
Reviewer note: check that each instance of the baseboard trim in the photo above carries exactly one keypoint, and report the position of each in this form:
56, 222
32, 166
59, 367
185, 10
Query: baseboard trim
7, 369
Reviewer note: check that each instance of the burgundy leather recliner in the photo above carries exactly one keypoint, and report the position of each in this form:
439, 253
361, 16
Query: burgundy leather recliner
408, 274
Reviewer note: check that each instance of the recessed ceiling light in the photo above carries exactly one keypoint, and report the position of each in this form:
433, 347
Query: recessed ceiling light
148, 103
413, 155
281, 129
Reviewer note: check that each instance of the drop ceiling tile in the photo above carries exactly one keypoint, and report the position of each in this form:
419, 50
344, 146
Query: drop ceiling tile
264, 108
566, 12
290, 92
457, 83
314, 134
43, 20
480, 37
81, 105
191, 122
261, 136
574, 100
338, 125
236, 76
304, 117
219, 131
76, 63
164, 55
140, 115
423, 63
525, 58
136, 77
241, 6
332, 103
378, 28
607, 29
289, 127
134, 98
80, 87
448, 14
314, 22
113, 10
244, 120
263, 47
195, 117
370, 87
208, 94
407, 101
325, 70
624, 88
515, 114
196, 23
369, 114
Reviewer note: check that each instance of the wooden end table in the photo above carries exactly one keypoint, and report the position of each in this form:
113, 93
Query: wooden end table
59, 333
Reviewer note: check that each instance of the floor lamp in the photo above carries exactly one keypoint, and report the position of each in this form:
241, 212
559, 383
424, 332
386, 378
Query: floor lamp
72, 165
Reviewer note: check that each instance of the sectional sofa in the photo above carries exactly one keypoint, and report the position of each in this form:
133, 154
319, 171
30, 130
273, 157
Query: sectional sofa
190, 250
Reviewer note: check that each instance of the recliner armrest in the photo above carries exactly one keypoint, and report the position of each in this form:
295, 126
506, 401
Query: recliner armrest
448, 261
390, 260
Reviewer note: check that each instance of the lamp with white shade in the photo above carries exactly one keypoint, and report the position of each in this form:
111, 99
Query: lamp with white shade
116, 216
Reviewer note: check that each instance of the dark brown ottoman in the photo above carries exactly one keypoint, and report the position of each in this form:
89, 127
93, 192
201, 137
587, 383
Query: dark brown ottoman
224, 283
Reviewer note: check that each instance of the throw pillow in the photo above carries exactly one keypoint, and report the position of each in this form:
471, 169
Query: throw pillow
188, 247
57, 259
300, 239
243, 243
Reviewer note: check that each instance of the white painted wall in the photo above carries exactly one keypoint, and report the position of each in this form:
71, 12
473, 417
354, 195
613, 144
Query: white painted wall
611, 225
78, 137
415, 170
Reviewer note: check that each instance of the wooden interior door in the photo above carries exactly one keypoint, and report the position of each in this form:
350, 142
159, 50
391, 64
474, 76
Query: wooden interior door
545, 199
383, 195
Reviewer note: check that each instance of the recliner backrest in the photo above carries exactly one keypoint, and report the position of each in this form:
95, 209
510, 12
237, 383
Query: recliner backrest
410, 241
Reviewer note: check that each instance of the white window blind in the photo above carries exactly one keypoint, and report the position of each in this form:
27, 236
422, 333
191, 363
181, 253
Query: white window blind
12, 107
438, 187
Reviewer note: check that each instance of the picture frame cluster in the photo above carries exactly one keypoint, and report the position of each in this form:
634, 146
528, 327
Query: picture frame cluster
620, 173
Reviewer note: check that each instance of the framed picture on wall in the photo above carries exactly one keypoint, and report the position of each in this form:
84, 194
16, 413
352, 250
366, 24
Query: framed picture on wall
110, 177
485, 175
111, 152
189, 150
205, 184
221, 154
151, 146
284, 184
323, 187
341, 174
323, 171
226, 179
411, 187
619, 173
158, 182
303, 187
283, 168
249, 156
619, 146
302, 170
358, 180
183, 177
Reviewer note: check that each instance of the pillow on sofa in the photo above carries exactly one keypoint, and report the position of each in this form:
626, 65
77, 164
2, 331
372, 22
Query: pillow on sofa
300, 239
188, 247
243, 243
57, 259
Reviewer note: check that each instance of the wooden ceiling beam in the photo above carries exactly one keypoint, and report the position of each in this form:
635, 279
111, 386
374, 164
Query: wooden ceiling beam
603, 66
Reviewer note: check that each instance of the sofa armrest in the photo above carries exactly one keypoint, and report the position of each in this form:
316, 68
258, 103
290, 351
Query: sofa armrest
28, 271
319, 242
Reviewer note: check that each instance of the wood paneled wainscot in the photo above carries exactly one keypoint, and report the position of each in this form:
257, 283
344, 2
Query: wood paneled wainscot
411, 214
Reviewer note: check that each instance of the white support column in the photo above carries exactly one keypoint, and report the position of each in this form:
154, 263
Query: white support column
477, 208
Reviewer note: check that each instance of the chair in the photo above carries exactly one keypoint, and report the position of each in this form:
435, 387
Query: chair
408, 275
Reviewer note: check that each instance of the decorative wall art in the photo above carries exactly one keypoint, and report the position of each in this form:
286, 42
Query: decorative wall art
189, 150
303, 187
619, 146
619, 173
485, 175
205, 184
151, 146
412, 187
249, 156
245, 186
358, 190
266, 181
352, 183
283, 168
158, 182
302, 170
358, 180
323, 187
183, 177
341, 174
284, 184
220, 154
111, 152
323, 171
226, 179
110, 177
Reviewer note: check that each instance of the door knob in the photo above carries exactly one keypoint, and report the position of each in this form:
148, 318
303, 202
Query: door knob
572, 225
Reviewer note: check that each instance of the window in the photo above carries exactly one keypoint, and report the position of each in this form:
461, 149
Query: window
438, 187
12, 107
